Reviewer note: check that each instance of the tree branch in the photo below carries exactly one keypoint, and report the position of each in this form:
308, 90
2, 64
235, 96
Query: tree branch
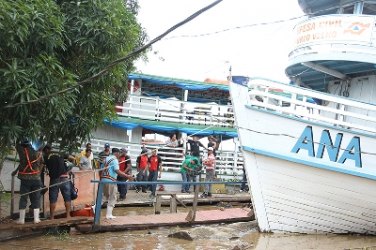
117, 61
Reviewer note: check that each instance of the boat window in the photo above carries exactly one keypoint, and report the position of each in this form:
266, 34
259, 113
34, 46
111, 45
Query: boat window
369, 9
348, 9
326, 12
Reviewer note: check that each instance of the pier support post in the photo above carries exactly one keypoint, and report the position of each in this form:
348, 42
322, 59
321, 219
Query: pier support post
173, 204
195, 200
158, 204
98, 205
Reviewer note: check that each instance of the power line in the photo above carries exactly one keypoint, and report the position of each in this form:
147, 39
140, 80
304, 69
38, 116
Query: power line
116, 62
237, 27
139, 50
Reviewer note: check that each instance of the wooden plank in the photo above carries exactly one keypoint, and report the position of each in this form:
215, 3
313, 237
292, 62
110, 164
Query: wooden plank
150, 221
48, 223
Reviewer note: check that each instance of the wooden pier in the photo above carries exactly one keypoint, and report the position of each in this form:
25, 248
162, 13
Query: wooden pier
130, 222
190, 202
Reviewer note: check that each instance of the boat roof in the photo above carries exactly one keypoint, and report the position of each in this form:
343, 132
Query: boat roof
210, 90
167, 128
182, 83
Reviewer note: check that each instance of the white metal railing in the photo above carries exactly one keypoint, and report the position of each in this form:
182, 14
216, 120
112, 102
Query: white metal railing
227, 162
313, 105
157, 109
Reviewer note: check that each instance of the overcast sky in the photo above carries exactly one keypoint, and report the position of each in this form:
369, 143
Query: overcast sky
202, 49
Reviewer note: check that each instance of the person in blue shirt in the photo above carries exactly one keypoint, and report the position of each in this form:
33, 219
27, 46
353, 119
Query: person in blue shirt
109, 174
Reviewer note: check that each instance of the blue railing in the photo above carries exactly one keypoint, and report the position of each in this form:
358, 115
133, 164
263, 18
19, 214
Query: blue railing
98, 202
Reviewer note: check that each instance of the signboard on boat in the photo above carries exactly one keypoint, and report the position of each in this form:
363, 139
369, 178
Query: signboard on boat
356, 29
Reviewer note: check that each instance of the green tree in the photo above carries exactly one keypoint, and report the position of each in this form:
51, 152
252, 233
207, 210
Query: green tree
47, 46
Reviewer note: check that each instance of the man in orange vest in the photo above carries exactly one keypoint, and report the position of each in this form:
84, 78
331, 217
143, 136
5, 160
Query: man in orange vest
142, 164
29, 172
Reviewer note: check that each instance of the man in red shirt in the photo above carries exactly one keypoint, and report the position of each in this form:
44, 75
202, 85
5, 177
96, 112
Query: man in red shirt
125, 166
155, 163
142, 164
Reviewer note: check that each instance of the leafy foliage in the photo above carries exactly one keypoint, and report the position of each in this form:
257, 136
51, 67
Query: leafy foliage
49, 45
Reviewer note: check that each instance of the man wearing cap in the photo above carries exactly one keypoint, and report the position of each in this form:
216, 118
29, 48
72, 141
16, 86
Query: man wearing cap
103, 154
142, 164
106, 150
209, 164
125, 166
109, 174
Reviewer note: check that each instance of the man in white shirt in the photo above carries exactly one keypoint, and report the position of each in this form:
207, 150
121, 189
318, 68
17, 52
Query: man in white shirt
83, 153
86, 161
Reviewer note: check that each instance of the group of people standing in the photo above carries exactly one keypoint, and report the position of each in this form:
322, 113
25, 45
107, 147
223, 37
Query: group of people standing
115, 165
148, 169
192, 165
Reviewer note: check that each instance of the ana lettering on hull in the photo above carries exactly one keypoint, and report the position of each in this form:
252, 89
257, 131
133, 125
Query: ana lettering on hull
351, 152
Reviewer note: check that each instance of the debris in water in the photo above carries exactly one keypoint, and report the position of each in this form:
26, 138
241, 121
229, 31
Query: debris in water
181, 235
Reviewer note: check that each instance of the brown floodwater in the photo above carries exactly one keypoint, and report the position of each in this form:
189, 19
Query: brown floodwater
242, 235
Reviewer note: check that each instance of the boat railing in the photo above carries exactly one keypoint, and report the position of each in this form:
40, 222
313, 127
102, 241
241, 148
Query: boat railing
334, 47
312, 105
166, 110
228, 162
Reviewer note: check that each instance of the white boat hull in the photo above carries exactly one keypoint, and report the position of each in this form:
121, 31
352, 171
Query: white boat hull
293, 191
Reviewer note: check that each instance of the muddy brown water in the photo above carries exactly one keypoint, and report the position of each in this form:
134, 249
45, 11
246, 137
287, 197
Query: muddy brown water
243, 235
230, 236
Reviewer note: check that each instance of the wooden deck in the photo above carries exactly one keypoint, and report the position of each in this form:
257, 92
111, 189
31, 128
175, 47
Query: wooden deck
174, 219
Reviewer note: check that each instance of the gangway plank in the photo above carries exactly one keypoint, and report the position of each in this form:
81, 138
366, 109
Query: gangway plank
173, 219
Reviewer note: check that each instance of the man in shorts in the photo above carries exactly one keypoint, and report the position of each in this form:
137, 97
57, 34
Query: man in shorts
59, 180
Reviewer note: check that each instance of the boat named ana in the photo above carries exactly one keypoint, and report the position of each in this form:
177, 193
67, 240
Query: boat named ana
309, 146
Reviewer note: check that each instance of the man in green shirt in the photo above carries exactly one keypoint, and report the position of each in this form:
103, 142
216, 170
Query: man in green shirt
187, 169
